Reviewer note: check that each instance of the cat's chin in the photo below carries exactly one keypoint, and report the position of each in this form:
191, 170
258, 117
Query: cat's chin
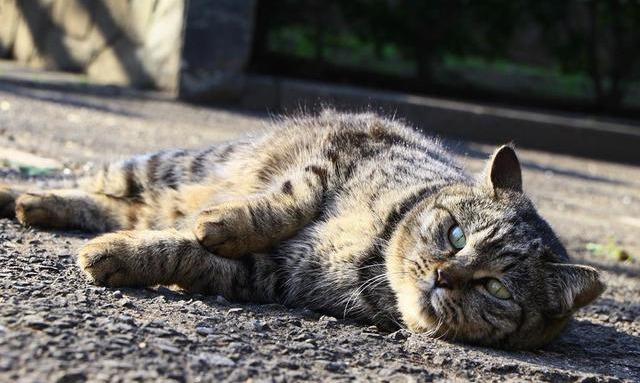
417, 312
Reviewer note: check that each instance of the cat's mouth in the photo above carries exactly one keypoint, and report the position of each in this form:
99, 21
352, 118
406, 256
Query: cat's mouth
440, 307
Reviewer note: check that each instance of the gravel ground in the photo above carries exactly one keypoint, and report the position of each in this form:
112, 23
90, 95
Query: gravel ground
54, 326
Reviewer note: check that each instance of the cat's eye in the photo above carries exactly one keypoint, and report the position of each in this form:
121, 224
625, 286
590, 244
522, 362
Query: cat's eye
497, 289
457, 237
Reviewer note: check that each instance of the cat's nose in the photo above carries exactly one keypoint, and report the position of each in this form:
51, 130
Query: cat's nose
449, 278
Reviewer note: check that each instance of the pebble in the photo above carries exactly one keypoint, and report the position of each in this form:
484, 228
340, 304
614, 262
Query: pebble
126, 319
36, 322
328, 320
260, 326
215, 360
168, 348
400, 335
335, 366
234, 310
204, 331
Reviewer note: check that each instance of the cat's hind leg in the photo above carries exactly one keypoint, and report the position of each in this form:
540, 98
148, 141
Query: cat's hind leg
73, 209
167, 257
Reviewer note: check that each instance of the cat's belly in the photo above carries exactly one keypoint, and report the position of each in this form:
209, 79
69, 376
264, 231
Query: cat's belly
179, 208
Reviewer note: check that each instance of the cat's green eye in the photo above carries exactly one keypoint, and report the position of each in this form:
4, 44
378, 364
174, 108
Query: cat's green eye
497, 289
456, 237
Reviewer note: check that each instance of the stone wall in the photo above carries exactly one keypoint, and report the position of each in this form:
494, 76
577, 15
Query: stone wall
217, 48
122, 42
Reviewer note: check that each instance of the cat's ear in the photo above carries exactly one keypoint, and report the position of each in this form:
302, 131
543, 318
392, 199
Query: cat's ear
571, 287
502, 171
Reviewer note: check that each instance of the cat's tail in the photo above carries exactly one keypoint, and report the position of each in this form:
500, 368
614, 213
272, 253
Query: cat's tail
150, 173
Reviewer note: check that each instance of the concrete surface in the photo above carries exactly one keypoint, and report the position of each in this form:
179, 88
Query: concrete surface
54, 326
584, 135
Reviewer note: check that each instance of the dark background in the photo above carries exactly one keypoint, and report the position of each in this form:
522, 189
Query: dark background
567, 55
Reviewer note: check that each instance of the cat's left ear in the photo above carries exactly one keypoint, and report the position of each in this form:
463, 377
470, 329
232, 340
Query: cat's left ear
502, 171
571, 286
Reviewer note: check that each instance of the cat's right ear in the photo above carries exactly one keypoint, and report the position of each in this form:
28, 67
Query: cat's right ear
571, 287
502, 171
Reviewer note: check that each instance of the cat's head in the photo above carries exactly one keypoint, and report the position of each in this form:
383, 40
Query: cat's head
477, 263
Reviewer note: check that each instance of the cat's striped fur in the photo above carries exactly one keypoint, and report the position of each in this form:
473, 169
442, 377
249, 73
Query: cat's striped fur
344, 213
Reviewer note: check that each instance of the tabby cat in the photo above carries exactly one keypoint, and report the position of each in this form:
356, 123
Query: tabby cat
350, 214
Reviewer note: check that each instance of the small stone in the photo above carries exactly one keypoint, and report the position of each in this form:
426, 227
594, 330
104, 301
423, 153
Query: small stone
36, 323
328, 321
260, 326
335, 366
288, 365
441, 360
309, 314
302, 337
117, 294
168, 348
204, 331
66, 323
400, 335
373, 335
301, 346
215, 360
72, 377
234, 310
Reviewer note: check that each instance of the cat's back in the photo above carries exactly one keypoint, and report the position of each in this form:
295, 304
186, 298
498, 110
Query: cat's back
354, 144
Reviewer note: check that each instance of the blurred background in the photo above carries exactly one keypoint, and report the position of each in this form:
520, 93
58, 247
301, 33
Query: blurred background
560, 54
577, 62
578, 55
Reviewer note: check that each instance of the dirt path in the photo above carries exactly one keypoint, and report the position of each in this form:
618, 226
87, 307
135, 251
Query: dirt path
56, 327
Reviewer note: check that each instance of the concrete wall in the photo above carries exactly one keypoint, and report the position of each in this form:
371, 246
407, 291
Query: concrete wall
217, 49
122, 42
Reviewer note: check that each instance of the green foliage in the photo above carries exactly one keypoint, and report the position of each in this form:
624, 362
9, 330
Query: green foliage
589, 48
610, 250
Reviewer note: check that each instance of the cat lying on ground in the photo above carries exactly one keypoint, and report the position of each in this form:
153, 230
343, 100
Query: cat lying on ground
350, 214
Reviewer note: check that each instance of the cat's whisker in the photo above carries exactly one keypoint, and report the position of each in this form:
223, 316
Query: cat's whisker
370, 266
360, 289
371, 283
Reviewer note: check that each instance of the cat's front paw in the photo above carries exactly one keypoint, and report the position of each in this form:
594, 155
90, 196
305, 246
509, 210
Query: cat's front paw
226, 230
39, 209
108, 260
7, 202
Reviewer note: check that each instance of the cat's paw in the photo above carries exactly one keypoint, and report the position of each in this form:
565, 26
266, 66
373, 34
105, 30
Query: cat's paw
7, 202
108, 260
38, 209
226, 230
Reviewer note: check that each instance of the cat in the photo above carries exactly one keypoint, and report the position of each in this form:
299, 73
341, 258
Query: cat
354, 215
